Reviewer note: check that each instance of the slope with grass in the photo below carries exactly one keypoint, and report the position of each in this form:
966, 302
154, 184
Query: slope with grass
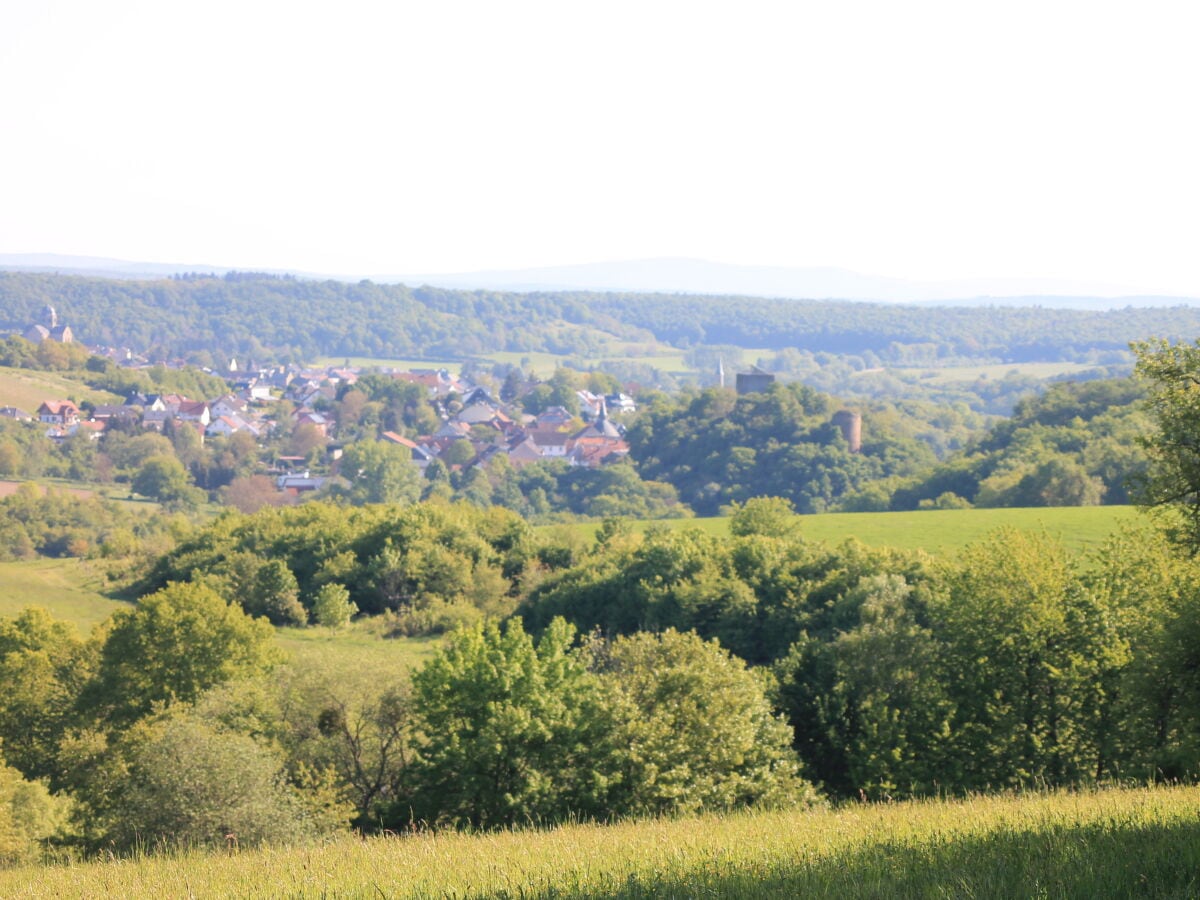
71, 589
939, 532
27, 389
1109, 843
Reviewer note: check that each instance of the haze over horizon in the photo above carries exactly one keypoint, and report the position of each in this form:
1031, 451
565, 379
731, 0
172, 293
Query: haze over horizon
1037, 143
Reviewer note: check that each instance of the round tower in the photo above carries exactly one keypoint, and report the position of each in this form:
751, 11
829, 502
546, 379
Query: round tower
850, 424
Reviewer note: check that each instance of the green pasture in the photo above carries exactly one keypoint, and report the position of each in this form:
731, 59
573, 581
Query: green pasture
354, 649
995, 372
27, 390
1093, 844
71, 589
944, 531
939, 532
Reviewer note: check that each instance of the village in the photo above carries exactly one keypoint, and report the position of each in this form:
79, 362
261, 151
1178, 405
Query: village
270, 403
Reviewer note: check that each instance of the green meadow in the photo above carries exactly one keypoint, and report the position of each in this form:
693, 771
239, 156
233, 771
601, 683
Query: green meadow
27, 389
354, 647
967, 374
939, 532
71, 589
1105, 843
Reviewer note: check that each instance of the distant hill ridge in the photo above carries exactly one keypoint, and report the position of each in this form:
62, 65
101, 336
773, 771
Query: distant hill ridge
296, 319
678, 276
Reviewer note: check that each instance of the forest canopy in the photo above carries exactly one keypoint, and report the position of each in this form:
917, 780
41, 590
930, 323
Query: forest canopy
287, 319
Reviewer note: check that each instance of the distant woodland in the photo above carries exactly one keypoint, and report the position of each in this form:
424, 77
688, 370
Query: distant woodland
282, 319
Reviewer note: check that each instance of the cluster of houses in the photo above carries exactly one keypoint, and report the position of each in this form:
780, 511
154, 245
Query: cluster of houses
474, 426
488, 430
223, 416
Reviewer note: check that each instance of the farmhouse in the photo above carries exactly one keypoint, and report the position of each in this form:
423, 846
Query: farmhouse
58, 412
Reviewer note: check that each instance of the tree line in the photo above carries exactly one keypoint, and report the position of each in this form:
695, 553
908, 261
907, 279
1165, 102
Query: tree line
281, 319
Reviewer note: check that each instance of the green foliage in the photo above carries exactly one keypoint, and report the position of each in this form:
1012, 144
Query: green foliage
403, 560
178, 781
43, 666
174, 645
766, 516
512, 731
865, 697
253, 314
717, 448
550, 488
693, 728
332, 606
276, 595
1077, 444
28, 815
1027, 646
48, 522
755, 594
379, 472
351, 728
1152, 589
165, 479
1171, 373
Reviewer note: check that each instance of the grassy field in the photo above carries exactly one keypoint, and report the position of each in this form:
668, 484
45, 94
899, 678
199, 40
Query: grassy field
355, 647
1113, 843
936, 531
961, 374
69, 588
26, 389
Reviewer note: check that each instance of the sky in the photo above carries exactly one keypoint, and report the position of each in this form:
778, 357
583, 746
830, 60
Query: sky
920, 140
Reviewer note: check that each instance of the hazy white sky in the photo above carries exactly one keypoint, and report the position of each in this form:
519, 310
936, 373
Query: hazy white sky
918, 139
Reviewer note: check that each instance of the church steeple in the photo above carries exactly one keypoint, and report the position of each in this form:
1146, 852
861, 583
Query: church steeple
50, 317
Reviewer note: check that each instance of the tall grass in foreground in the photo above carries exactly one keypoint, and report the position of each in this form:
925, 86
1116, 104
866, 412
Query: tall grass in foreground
1111, 843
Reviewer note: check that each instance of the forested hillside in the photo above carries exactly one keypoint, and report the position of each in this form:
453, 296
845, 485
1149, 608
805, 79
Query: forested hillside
277, 318
717, 447
1078, 444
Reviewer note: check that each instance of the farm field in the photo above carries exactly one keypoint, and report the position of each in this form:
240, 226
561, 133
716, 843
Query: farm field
936, 531
27, 390
1109, 843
